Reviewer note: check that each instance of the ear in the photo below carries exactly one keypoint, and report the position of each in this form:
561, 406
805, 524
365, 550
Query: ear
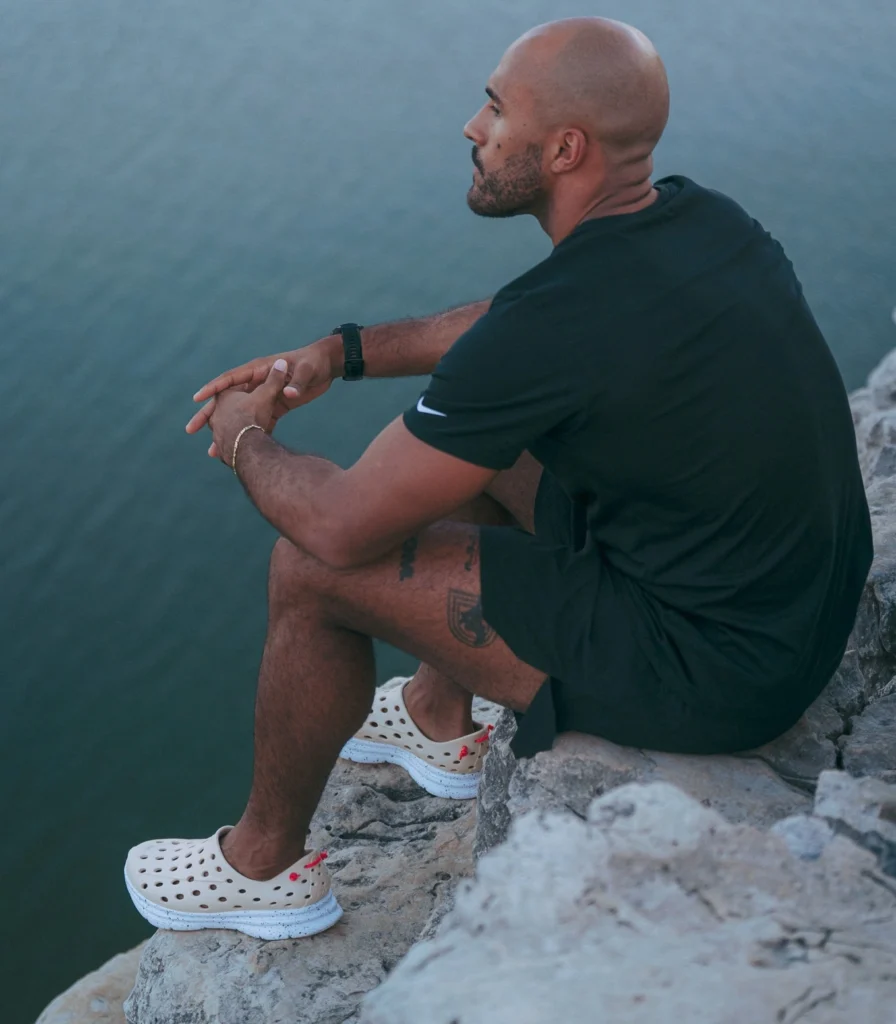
570, 148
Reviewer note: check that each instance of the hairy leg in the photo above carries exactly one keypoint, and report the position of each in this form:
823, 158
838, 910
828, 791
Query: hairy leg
317, 675
441, 706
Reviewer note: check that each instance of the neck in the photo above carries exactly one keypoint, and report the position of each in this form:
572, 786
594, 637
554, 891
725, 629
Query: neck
561, 218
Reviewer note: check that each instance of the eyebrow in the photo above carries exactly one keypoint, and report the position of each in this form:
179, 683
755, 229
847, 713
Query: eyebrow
489, 91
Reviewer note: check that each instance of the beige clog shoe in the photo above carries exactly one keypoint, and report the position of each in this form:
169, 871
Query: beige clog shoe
186, 885
450, 769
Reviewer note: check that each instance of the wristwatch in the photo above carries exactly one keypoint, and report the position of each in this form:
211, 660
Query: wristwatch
353, 366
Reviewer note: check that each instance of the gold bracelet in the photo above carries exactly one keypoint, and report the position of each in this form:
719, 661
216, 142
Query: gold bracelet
239, 437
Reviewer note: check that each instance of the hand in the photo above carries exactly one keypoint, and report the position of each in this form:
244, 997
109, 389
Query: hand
237, 408
311, 370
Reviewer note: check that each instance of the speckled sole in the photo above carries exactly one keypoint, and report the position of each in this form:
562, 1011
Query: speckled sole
436, 781
260, 924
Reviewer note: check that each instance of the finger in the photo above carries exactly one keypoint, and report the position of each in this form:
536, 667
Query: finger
201, 418
213, 450
301, 377
231, 379
273, 386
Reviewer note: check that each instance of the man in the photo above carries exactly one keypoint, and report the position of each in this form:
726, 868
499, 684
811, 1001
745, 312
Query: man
655, 408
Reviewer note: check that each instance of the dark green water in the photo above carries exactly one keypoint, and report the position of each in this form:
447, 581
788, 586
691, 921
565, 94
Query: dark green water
185, 185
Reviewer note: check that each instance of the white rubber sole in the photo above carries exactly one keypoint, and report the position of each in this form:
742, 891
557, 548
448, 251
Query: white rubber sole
260, 924
436, 781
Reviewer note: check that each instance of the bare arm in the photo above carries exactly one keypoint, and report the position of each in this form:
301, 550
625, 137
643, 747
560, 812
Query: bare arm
348, 517
409, 348
403, 348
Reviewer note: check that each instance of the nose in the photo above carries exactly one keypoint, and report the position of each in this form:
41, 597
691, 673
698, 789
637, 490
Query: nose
473, 131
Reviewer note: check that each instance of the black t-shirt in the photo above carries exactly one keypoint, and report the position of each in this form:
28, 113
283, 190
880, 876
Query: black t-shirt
665, 368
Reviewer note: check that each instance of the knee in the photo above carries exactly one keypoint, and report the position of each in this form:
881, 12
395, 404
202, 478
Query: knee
291, 575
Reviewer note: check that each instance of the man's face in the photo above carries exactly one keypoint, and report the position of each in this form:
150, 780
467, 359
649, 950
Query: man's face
507, 175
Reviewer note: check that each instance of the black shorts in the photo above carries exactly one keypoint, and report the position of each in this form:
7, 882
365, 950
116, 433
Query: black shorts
562, 609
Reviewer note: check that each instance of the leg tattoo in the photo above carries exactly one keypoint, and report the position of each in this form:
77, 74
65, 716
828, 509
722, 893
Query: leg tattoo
408, 555
472, 552
465, 619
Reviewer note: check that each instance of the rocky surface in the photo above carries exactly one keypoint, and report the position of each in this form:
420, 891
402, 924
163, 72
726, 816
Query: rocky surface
98, 997
653, 908
395, 854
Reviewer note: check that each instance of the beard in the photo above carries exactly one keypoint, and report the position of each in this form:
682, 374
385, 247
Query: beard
514, 188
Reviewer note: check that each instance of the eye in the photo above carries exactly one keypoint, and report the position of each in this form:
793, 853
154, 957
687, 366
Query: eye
494, 109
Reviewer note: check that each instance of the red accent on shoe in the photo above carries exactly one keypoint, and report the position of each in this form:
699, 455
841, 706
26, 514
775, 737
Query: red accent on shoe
293, 877
321, 856
464, 750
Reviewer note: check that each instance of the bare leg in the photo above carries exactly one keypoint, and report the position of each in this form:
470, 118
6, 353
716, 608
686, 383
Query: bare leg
440, 706
317, 676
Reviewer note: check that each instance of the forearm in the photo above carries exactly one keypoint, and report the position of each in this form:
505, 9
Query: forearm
289, 490
410, 348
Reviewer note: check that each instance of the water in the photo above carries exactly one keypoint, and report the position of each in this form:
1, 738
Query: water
183, 186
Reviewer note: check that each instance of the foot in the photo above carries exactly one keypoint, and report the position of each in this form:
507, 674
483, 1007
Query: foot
188, 884
443, 767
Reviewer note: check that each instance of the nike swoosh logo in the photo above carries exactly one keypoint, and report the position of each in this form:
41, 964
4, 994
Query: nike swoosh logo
425, 408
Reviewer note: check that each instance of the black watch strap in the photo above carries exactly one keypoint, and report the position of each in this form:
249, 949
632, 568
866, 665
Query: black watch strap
353, 366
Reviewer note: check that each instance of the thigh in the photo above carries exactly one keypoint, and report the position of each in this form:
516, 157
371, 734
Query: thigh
426, 599
515, 489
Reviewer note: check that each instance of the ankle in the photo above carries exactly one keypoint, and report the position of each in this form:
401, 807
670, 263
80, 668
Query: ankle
259, 856
439, 716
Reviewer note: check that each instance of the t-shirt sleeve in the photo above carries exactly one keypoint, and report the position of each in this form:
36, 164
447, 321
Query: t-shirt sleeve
496, 391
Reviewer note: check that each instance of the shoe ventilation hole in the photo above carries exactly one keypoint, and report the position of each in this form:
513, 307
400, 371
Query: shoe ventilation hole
164, 899
180, 896
190, 879
158, 884
256, 899
142, 871
203, 906
213, 856
397, 708
205, 874
143, 856
222, 899
242, 892
196, 892
202, 860
388, 722
382, 737
188, 866
145, 885
290, 894
457, 762
419, 746
308, 896
373, 725
403, 722
276, 887
213, 886
397, 735
430, 757
219, 868
175, 881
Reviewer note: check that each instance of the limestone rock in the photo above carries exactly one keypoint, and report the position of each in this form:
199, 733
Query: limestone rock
870, 749
580, 767
655, 909
865, 811
395, 856
98, 997
874, 414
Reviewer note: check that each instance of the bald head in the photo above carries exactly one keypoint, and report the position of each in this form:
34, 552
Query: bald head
575, 109
599, 75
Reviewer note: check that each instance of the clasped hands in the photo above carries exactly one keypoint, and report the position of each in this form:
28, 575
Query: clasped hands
260, 391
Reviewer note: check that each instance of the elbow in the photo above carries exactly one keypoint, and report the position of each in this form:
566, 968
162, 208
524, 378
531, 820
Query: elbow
336, 549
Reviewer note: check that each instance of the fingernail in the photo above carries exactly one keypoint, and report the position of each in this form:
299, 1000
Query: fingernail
280, 365
291, 391
196, 397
